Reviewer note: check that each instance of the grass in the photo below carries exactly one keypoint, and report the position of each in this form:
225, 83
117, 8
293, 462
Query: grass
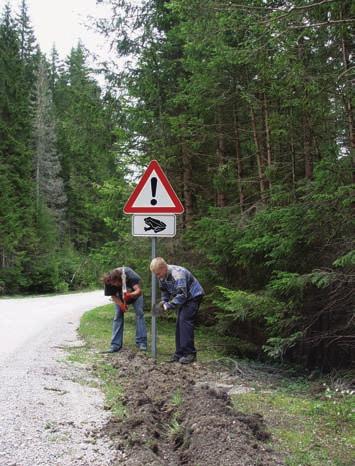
95, 329
311, 429
177, 399
96, 325
175, 429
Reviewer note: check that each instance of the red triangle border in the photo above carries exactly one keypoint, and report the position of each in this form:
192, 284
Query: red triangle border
177, 208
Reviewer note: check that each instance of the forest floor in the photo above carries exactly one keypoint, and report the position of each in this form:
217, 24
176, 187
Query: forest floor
217, 411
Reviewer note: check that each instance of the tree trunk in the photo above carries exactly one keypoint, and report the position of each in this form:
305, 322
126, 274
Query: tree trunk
239, 159
187, 184
267, 131
259, 159
346, 50
293, 162
308, 162
221, 197
37, 183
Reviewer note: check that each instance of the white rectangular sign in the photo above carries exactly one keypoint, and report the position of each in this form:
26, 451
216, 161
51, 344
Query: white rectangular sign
154, 225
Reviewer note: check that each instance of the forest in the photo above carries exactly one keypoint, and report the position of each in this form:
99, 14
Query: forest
248, 106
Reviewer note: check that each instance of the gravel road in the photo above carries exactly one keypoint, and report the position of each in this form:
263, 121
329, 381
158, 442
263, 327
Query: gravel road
48, 412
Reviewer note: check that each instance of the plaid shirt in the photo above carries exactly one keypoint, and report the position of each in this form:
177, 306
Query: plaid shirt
179, 286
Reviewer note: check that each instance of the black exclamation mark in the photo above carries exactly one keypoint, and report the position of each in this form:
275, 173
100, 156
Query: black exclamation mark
153, 184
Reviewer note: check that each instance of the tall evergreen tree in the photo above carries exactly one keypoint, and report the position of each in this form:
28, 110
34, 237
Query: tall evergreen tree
26, 34
85, 142
49, 184
17, 206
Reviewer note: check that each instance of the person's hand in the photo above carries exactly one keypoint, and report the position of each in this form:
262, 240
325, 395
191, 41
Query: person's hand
167, 306
158, 309
123, 307
128, 297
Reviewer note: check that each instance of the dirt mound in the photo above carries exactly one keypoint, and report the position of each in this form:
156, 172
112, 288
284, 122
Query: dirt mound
180, 415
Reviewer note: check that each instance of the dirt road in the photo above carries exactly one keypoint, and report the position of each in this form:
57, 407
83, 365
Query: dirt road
48, 412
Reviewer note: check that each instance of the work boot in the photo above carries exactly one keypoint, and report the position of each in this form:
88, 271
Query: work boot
188, 359
174, 358
111, 350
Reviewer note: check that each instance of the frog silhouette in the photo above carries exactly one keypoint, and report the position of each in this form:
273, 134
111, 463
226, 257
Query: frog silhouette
154, 224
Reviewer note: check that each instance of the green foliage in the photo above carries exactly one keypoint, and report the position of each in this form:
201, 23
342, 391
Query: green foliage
240, 305
85, 138
261, 311
55, 125
347, 260
273, 258
247, 109
286, 284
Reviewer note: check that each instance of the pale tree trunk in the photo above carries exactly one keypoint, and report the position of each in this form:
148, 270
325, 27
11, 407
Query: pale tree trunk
238, 159
259, 158
49, 184
267, 132
38, 177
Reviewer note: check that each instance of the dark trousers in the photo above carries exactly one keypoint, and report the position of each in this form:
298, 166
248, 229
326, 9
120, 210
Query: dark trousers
185, 326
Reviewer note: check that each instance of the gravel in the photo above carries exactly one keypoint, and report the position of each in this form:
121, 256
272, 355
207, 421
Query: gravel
51, 411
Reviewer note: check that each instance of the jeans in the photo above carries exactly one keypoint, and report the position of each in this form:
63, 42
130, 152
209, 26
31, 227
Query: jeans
118, 325
185, 326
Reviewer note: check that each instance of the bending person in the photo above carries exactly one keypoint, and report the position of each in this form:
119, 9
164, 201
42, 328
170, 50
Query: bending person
180, 290
113, 287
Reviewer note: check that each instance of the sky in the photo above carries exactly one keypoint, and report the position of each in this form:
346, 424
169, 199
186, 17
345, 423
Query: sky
62, 22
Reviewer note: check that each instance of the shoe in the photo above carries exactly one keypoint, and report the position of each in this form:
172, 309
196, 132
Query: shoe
188, 359
142, 347
111, 350
174, 358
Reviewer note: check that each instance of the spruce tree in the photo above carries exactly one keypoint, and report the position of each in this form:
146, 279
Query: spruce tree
49, 184
17, 232
85, 142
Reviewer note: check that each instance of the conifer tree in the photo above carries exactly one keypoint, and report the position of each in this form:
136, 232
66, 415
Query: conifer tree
17, 231
85, 142
49, 184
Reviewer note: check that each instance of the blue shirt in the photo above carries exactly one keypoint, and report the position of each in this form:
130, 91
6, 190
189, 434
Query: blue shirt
179, 286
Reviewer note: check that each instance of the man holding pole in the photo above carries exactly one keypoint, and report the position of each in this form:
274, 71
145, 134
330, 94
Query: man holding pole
123, 285
180, 290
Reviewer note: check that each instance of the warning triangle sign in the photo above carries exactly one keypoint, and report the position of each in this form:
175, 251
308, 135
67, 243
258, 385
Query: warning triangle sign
153, 194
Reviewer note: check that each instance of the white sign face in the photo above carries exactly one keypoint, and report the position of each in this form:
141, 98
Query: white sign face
153, 194
153, 225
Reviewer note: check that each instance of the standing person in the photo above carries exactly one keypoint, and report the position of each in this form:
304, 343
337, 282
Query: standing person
181, 290
113, 282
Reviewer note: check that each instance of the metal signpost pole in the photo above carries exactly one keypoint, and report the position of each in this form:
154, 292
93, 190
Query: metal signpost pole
154, 298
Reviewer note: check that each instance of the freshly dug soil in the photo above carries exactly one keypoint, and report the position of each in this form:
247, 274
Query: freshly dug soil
183, 415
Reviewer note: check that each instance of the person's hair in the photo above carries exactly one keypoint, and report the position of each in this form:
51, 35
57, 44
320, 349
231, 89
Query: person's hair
112, 276
157, 264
